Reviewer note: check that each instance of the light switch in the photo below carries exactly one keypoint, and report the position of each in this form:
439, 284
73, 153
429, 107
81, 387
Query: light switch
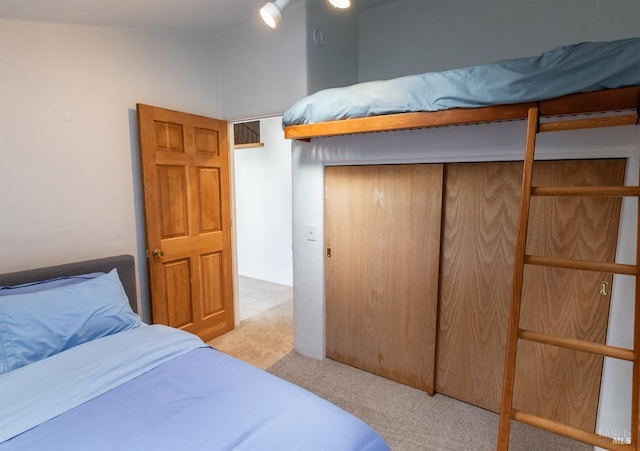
311, 232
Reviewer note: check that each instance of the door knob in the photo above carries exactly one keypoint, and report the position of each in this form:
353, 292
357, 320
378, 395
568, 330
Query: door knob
157, 252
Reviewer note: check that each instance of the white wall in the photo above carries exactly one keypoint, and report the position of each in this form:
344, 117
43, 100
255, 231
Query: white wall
264, 70
263, 206
69, 171
332, 46
413, 36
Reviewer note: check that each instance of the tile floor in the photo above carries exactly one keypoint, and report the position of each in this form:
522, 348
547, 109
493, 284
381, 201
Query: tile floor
258, 295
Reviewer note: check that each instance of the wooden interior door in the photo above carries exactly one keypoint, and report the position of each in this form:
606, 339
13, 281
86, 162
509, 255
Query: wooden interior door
480, 217
187, 211
381, 269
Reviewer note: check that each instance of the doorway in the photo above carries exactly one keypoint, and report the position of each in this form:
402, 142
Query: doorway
263, 220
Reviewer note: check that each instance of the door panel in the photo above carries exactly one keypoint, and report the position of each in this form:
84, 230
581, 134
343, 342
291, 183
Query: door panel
557, 383
479, 225
186, 190
177, 294
209, 199
480, 217
172, 189
381, 287
212, 279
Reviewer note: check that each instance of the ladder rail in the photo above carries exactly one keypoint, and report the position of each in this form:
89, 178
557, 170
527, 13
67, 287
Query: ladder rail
635, 375
515, 333
516, 288
596, 122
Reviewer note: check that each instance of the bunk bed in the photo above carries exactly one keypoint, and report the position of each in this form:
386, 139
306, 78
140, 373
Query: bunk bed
581, 78
581, 86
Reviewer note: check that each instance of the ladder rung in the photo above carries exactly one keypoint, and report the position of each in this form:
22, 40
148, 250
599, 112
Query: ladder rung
577, 345
614, 268
596, 122
569, 431
515, 333
585, 191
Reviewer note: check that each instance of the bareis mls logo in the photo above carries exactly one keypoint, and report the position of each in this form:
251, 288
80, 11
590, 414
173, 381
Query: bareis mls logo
619, 436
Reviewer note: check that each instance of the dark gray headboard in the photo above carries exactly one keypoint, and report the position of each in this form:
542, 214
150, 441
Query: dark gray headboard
125, 265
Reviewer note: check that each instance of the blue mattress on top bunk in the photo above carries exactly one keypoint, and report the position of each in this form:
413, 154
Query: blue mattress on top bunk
583, 67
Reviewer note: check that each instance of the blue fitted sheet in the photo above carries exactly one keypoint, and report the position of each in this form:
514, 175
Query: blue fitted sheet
190, 397
583, 67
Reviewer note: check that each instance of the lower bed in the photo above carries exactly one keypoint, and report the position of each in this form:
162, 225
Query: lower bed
158, 388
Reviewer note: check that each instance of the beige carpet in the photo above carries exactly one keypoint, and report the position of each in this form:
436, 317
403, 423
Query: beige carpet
262, 339
408, 419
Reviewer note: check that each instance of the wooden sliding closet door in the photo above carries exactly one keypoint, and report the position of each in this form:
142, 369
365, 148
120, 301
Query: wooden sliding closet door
558, 301
478, 244
381, 268
480, 212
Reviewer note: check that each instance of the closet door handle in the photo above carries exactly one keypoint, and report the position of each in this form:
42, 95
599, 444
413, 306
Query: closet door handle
157, 253
604, 288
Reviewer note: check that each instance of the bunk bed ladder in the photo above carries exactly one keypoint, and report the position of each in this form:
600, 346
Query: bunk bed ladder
515, 333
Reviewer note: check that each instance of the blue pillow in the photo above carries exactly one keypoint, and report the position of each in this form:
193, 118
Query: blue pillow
36, 325
32, 287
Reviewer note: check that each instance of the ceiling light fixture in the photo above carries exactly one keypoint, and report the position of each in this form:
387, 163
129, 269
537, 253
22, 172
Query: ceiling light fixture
271, 12
342, 4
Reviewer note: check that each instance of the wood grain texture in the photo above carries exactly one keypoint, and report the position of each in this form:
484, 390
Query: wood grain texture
206, 141
211, 266
551, 382
588, 102
479, 225
209, 204
597, 122
172, 192
187, 210
480, 213
571, 432
177, 299
383, 228
511, 348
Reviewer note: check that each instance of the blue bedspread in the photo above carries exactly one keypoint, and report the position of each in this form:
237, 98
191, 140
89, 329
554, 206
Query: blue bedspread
583, 67
190, 397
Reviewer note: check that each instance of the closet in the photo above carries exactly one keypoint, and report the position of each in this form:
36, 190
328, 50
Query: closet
382, 230
418, 277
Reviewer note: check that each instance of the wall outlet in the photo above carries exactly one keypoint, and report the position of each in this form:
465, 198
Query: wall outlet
311, 232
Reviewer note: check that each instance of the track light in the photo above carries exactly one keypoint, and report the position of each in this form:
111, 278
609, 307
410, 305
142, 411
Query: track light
272, 12
342, 4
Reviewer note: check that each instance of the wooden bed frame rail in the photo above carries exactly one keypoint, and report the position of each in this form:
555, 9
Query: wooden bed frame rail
590, 102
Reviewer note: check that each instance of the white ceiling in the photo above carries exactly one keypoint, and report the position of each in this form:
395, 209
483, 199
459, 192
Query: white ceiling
207, 15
